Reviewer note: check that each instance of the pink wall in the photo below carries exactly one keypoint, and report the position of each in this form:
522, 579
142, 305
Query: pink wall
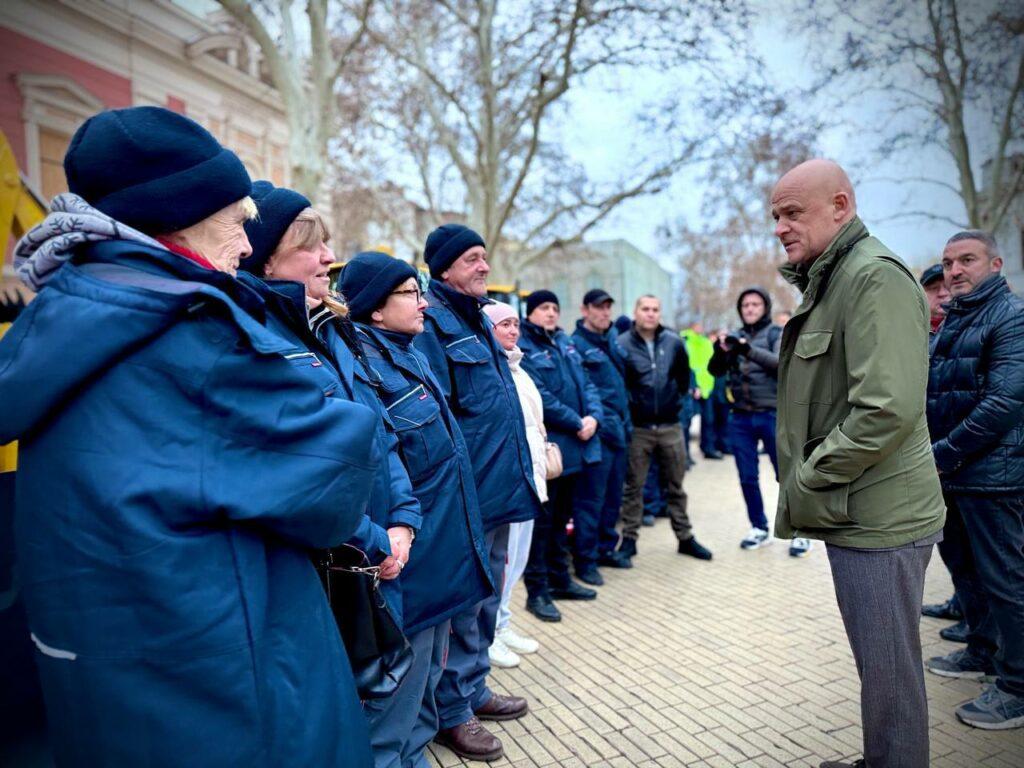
21, 54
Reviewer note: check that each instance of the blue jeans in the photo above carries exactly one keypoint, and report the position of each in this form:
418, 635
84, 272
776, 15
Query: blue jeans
746, 430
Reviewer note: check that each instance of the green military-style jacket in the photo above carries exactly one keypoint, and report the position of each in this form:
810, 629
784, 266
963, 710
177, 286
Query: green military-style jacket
855, 459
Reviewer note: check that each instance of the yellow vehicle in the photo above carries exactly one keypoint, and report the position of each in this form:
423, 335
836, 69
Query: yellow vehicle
20, 210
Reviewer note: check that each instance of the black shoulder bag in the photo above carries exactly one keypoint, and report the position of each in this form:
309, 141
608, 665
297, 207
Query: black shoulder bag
379, 653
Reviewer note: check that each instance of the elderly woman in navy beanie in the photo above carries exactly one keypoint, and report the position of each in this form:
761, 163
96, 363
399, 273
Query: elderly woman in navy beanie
175, 469
447, 573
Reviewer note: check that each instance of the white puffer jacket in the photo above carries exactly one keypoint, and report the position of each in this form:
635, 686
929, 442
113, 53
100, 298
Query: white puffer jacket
533, 414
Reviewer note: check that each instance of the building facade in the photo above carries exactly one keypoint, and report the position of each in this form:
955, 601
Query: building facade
62, 61
617, 266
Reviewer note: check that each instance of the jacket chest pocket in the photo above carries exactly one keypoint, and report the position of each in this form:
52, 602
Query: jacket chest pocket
313, 368
546, 369
810, 372
592, 362
472, 377
421, 430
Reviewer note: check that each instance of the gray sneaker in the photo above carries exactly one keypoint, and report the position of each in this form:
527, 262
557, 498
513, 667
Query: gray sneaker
994, 710
839, 764
960, 663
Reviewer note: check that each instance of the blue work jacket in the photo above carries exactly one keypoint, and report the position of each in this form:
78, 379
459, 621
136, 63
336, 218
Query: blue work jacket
336, 370
447, 572
473, 374
555, 366
174, 471
604, 365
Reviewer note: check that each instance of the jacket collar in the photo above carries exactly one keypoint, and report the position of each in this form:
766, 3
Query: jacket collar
990, 287
538, 334
640, 339
466, 307
598, 339
806, 278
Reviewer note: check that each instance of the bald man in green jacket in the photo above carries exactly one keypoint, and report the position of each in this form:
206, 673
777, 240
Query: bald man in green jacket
855, 460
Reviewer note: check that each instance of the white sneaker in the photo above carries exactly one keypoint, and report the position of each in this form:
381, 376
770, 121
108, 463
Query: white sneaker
755, 539
800, 547
501, 655
518, 643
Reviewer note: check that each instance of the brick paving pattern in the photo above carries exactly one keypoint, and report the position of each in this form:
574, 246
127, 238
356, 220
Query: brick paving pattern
738, 662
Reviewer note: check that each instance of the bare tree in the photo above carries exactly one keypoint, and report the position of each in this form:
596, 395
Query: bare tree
305, 65
952, 74
735, 247
473, 87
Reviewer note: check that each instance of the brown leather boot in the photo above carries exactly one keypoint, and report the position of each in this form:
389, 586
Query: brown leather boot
471, 740
500, 707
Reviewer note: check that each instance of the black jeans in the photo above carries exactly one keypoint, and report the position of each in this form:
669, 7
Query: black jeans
956, 554
548, 564
995, 529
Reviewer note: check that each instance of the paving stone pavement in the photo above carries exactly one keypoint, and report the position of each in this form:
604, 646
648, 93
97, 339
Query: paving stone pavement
738, 662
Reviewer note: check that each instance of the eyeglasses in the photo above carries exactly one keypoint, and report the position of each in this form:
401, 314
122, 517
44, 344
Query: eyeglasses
416, 293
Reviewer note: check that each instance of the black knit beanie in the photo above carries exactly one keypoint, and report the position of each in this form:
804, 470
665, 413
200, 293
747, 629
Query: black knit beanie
445, 244
153, 169
537, 298
368, 279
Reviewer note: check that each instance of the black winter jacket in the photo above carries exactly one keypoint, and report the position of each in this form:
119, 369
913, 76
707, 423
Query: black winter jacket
976, 391
656, 385
752, 378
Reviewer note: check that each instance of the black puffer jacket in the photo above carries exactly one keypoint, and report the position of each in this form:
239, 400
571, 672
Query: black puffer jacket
976, 392
752, 377
655, 385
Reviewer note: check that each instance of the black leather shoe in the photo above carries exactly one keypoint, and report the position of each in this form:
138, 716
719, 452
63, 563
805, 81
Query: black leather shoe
714, 455
614, 559
627, 549
693, 548
947, 610
957, 633
543, 608
573, 591
591, 576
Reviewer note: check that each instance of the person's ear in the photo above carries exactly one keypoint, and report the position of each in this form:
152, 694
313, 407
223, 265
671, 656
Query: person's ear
840, 205
444, 275
377, 316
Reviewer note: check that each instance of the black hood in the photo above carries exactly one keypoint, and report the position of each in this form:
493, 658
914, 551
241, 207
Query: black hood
760, 292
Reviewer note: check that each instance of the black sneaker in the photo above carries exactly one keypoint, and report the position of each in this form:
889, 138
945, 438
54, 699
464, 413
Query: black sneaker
947, 610
714, 455
591, 576
956, 633
627, 549
573, 591
693, 548
614, 559
542, 607
960, 663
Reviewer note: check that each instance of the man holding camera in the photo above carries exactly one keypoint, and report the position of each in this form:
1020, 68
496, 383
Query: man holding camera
749, 359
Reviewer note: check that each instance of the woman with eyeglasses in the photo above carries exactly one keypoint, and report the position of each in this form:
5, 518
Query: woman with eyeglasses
447, 572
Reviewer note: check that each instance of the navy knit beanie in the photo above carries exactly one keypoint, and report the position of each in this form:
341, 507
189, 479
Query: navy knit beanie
368, 279
153, 169
445, 244
277, 208
537, 298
